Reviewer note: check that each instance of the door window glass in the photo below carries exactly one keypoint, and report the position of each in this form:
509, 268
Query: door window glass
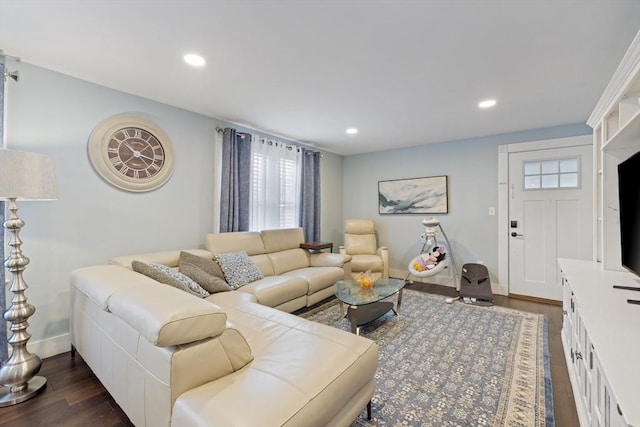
552, 174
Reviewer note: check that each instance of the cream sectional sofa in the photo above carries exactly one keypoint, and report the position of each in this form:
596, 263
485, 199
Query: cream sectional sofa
170, 358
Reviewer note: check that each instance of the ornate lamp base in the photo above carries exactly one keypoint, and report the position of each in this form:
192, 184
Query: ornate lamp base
18, 380
34, 386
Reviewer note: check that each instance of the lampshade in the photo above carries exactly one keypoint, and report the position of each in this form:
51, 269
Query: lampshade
27, 176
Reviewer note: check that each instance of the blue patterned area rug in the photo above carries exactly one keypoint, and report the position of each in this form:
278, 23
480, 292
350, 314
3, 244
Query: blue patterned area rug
455, 364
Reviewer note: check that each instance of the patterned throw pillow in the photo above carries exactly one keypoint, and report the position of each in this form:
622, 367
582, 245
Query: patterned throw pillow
238, 268
169, 276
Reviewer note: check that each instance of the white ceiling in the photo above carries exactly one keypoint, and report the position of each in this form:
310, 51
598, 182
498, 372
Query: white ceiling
403, 72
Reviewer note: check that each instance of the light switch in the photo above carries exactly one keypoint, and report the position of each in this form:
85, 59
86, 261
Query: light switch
492, 210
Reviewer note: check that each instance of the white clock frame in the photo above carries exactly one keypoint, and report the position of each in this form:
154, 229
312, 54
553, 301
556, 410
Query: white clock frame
97, 148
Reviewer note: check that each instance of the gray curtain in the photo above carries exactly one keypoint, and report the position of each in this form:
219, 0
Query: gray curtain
3, 294
310, 195
235, 182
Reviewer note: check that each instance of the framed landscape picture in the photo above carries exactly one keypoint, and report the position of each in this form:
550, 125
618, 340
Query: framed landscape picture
413, 196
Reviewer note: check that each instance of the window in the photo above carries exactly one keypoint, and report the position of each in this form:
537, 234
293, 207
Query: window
275, 185
552, 174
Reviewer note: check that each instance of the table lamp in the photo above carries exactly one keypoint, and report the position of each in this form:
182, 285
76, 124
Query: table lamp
23, 176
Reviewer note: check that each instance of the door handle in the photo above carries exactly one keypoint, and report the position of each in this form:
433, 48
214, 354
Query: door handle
514, 234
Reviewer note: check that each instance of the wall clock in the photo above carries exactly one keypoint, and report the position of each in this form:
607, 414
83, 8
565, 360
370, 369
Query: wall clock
131, 153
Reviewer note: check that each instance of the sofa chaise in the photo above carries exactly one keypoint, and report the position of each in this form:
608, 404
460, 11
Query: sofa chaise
230, 359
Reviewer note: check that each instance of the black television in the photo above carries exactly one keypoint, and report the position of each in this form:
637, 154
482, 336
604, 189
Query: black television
629, 193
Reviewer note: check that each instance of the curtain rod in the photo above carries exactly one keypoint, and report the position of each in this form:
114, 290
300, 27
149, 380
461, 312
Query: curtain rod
289, 146
263, 140
221, 130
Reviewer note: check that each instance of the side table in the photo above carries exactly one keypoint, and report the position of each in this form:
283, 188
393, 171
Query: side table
317, 246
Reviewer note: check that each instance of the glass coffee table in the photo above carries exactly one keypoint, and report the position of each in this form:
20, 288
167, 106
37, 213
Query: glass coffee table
366, 304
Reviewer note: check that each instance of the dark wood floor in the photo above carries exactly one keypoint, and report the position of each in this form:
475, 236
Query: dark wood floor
74, 396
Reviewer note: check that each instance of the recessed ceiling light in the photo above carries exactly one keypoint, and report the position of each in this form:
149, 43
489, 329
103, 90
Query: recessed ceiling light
194, 59
487, 103
352, 131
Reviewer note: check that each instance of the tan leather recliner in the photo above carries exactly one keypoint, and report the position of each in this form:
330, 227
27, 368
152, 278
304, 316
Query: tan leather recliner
360, 242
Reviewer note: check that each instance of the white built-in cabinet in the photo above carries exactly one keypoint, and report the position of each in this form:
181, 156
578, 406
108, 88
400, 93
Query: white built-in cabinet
600, 330
601, 341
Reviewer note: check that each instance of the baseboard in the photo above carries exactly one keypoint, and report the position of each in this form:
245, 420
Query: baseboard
536, 299
50, 346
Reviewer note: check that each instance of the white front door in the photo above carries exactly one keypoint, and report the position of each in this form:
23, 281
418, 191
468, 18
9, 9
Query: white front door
550, 214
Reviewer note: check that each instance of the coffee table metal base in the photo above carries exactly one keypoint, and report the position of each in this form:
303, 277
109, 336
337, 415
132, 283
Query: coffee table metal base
363, 314
367, 304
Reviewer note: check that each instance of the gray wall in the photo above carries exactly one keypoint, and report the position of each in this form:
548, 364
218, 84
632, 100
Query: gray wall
54, 114
472, 169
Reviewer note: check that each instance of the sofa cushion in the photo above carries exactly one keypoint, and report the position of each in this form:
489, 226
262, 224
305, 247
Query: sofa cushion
99, 282
169, 276
273, 291
319, 278
288, 260
263, 262
248, 241
238, 268
282, 239
168, 318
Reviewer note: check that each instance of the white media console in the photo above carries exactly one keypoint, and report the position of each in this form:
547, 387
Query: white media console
601, 340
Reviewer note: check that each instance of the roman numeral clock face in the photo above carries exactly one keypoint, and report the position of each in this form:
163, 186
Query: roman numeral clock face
135, 153
131, 153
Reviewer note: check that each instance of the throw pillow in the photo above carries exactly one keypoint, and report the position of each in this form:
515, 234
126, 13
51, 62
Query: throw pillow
208, 265
211, 283
169, 276
238, 268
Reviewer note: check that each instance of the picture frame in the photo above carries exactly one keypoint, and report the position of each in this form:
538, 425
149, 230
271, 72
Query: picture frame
427, 195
